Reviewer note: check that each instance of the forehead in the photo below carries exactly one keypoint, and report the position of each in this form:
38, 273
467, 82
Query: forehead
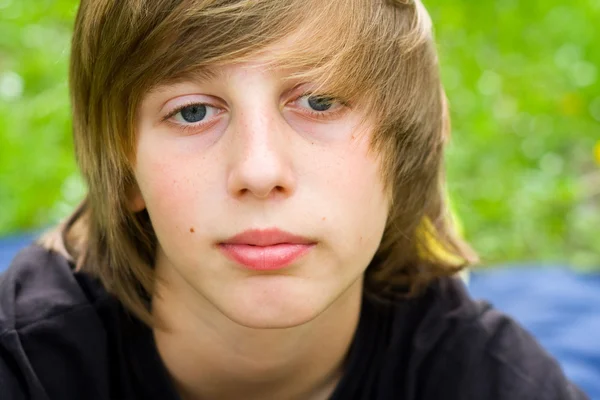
280, 60
291, 59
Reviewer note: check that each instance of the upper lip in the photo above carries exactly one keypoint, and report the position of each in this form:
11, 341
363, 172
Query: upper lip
267, 237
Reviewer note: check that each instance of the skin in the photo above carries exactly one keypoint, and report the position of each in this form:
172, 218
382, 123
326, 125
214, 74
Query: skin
259, 160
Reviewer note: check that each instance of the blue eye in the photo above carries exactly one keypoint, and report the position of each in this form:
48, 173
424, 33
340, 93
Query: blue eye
193, 113
320, 103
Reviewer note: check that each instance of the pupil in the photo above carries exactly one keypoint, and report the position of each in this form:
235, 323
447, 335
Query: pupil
320, 103
194, 113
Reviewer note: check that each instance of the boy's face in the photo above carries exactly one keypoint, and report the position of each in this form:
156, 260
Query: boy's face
250, 152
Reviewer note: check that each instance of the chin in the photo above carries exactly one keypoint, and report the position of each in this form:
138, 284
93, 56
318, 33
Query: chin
275, 302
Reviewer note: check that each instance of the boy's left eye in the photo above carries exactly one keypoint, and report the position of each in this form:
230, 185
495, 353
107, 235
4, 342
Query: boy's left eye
318, 103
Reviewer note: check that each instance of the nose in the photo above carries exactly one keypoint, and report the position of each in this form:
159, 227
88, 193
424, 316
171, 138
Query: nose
261, 156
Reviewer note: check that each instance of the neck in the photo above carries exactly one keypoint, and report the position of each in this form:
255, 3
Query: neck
211, 357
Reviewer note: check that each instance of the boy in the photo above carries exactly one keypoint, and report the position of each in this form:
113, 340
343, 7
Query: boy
265, 218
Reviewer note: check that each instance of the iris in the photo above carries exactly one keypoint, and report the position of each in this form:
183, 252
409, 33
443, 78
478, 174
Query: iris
320, 103
193, 113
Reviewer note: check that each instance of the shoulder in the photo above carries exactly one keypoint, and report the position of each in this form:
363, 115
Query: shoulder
50, 325
38, 284
476, 351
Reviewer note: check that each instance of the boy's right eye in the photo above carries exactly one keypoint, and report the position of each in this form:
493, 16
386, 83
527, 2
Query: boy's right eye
194, 113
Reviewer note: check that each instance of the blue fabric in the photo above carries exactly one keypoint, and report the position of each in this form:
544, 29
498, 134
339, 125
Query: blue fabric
559, 307
9, 246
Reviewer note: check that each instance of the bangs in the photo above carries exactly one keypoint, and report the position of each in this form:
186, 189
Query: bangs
352, 49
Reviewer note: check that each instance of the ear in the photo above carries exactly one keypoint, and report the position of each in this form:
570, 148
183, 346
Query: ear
135, 201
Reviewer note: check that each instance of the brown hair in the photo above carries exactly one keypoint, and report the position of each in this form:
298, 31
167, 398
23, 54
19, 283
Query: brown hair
381, 52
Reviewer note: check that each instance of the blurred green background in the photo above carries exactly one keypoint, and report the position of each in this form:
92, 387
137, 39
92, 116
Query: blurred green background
523, 81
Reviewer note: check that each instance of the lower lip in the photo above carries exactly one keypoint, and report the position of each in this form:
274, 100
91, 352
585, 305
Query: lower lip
265, 258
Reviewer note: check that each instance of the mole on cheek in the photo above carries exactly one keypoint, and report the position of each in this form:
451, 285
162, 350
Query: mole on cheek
192, 230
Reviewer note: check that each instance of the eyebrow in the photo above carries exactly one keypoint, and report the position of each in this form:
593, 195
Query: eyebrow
200, 74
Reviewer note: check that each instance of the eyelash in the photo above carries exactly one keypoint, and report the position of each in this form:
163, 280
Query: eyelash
313, 114
188, 127
327, 114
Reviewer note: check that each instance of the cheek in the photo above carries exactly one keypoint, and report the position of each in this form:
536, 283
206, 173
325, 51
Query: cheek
161, 184
163, 194
170, 191
359, 206
356, 175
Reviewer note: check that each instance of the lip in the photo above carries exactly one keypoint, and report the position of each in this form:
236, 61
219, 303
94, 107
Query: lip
267, 249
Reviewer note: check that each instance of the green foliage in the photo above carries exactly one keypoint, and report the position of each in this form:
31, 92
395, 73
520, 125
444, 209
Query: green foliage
521, 76
523, 82
38, 179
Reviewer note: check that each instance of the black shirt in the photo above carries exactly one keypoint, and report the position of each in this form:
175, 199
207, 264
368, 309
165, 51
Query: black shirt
62, 337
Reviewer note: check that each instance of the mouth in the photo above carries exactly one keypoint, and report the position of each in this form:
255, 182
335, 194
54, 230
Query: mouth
266, 250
